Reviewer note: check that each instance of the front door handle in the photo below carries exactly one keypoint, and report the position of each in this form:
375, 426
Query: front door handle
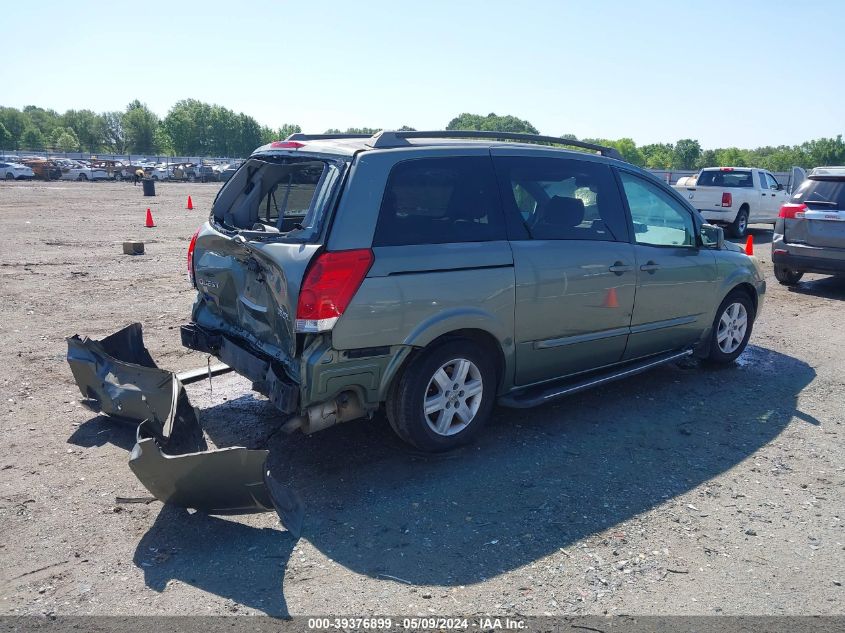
619, 268
650, 267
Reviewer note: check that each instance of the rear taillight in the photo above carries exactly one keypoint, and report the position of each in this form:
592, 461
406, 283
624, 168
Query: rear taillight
331, 282
191, 248
727, 199
792, 211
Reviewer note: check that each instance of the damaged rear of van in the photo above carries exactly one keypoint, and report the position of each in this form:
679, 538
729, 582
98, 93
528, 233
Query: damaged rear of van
268, 290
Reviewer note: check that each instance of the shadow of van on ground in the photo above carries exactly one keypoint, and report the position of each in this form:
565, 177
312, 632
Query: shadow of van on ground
537, 480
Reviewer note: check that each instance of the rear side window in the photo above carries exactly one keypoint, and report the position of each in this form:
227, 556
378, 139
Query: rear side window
827, 194
725, 178
438, 201
561, 199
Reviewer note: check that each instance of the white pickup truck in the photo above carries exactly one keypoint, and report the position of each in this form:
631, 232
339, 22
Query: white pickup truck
737, 196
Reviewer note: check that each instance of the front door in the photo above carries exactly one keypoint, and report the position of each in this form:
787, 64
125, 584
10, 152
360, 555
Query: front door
573, 263
676, 280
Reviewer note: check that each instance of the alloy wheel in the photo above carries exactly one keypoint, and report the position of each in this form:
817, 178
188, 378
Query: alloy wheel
453, 397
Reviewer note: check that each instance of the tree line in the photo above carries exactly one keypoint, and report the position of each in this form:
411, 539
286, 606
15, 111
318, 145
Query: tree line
194, 128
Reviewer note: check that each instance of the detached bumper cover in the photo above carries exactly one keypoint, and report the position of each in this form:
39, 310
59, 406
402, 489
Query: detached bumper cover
226, 481
118, 377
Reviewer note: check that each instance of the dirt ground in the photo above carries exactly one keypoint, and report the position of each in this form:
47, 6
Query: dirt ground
688, 490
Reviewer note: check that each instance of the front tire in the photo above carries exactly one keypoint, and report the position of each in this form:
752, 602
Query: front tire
731, 328
739, 227
787, 276
82, 178
444, 397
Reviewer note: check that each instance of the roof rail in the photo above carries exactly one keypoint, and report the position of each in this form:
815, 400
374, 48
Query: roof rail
299, 136
386, 138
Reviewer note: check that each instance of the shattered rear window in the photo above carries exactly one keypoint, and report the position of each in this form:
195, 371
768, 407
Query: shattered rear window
286, 196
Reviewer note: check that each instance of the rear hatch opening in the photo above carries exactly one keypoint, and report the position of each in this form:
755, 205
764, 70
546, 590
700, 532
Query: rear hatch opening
249, 261
278, 197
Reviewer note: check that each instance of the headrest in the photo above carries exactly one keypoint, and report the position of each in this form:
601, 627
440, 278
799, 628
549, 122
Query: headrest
561, 211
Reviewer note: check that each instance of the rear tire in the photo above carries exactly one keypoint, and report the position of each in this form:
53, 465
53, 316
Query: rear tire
82, 177
444, 397
739, 227
731, 328
787, 276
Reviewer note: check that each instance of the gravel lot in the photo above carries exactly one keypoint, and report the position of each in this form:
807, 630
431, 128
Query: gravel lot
689, 490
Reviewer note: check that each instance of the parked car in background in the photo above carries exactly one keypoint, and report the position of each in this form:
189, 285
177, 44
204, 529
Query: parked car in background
44, 169
735, 196
809, 233
161, 172
206, 173
229, 171
83, 172
16, 171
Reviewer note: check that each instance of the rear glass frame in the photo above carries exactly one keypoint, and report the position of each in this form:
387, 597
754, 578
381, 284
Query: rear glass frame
310, 233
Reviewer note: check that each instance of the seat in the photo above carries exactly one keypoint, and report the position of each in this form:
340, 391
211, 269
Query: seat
559, 219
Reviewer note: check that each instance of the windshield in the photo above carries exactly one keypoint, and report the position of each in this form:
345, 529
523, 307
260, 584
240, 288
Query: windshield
285, 196
722, 178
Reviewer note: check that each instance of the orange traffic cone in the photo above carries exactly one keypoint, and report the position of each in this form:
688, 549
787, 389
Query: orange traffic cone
749, 245
149, 223
190, 204
611, 301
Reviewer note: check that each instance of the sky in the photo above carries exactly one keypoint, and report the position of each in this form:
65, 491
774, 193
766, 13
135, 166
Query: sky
741, 74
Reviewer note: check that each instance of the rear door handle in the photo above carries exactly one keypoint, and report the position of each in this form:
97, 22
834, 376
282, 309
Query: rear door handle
650, 267
619, 268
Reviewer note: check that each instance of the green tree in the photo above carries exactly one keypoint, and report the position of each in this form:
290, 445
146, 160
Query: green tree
87, 126
658, 155
825, 151
64, 139
707, 159
491, 123
113, 134
140, 124
15, 123
732, 157
629, 151
685, 154
287, 129
5, 138
45, 121
32, 138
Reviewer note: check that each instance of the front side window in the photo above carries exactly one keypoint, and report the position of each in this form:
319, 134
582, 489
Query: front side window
562, 199
659, 219
772, 183
440, 201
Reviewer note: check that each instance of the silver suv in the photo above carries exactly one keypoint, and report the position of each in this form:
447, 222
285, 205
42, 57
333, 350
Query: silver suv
436, 274
809, 234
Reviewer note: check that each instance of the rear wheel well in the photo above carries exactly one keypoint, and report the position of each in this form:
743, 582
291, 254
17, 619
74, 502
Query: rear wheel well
481, 337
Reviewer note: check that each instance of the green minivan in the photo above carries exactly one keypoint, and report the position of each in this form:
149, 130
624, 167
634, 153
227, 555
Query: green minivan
437, 274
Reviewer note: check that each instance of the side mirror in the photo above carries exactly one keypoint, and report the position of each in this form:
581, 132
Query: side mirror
779, 187
712, 236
